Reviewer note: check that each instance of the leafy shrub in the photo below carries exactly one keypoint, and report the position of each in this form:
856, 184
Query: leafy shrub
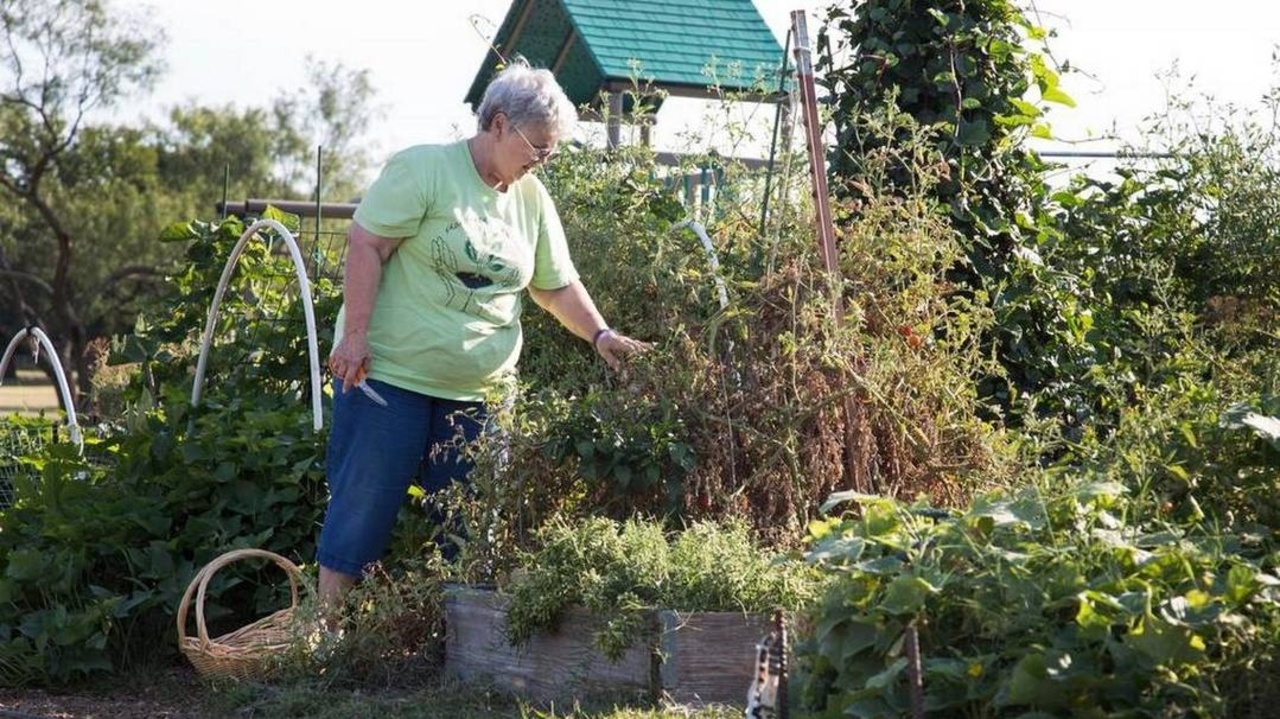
962, 72
1036, 601
123, 528
1222, 160
260, 338
1192, 449
1120, 275
1096, 284
124, 535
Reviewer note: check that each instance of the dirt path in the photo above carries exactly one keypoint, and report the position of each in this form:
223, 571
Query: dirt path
38, 705
174, 694
30, 393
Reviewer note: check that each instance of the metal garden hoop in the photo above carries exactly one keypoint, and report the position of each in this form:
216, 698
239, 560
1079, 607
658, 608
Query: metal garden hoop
19, 442
304, 286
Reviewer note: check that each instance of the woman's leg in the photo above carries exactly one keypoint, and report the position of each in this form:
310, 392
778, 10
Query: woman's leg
374, 453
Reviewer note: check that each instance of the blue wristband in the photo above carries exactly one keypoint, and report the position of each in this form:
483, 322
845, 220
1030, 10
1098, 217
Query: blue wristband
595, 340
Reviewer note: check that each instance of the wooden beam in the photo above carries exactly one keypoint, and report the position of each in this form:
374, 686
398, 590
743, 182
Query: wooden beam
518, 29
700, 92
674, 159
301, 208
615, 119
564, 51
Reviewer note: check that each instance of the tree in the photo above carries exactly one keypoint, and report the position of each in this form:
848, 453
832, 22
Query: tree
257, 151
335, 115
270, 152
83, 204
965, 75
59, 61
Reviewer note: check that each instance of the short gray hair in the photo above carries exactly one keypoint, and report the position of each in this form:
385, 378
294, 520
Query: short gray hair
529, 98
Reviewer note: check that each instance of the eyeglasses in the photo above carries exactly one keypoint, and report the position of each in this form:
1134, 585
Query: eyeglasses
540, 154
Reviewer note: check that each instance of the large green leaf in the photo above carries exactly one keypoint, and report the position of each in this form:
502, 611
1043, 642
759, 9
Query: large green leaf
1164, 643
906, 595
1032, 682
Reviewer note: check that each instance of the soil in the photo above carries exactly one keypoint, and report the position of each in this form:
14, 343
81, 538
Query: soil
175, 694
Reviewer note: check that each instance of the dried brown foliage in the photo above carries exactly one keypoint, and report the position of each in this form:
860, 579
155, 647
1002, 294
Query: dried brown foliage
804, 385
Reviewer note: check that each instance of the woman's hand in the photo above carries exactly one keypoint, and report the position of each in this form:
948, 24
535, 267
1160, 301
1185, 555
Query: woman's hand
615, 348
350, 359
573, 307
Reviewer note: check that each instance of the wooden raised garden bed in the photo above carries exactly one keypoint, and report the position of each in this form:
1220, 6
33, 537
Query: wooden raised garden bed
709, 657
692, 658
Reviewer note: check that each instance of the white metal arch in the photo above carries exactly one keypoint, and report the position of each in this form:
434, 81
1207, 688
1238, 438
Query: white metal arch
713, 260
304, 285
38, 335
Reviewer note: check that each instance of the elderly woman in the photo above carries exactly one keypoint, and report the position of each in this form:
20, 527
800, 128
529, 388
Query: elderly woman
443, 244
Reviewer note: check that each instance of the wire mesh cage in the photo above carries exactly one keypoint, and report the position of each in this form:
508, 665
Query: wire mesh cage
324, 245
262, 325
21, 439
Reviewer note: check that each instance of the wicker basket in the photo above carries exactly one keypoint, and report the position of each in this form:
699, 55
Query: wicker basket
245, 651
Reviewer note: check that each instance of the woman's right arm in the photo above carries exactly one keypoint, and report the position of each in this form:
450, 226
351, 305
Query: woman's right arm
366, 253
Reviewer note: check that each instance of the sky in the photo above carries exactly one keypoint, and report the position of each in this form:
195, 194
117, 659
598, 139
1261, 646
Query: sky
422, 57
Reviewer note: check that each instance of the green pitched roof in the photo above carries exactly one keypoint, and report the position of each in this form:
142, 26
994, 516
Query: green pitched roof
669, 44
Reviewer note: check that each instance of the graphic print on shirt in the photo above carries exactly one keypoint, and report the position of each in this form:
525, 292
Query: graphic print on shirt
482, 264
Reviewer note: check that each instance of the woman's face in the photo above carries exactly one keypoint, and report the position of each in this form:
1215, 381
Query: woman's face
522, 148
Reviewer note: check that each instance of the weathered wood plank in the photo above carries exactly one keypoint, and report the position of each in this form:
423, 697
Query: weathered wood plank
552, 666
706, 657
709, 657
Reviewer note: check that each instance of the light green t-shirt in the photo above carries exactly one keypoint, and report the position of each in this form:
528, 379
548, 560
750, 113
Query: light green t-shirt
446, 321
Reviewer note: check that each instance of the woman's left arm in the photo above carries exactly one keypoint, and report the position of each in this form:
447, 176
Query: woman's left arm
572, 306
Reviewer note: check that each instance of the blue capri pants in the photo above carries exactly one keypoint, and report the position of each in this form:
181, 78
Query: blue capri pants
375, 453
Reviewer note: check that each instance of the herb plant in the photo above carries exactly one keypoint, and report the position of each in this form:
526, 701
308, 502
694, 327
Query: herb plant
621, 570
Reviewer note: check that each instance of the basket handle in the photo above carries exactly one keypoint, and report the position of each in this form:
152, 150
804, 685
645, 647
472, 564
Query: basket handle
201, 581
